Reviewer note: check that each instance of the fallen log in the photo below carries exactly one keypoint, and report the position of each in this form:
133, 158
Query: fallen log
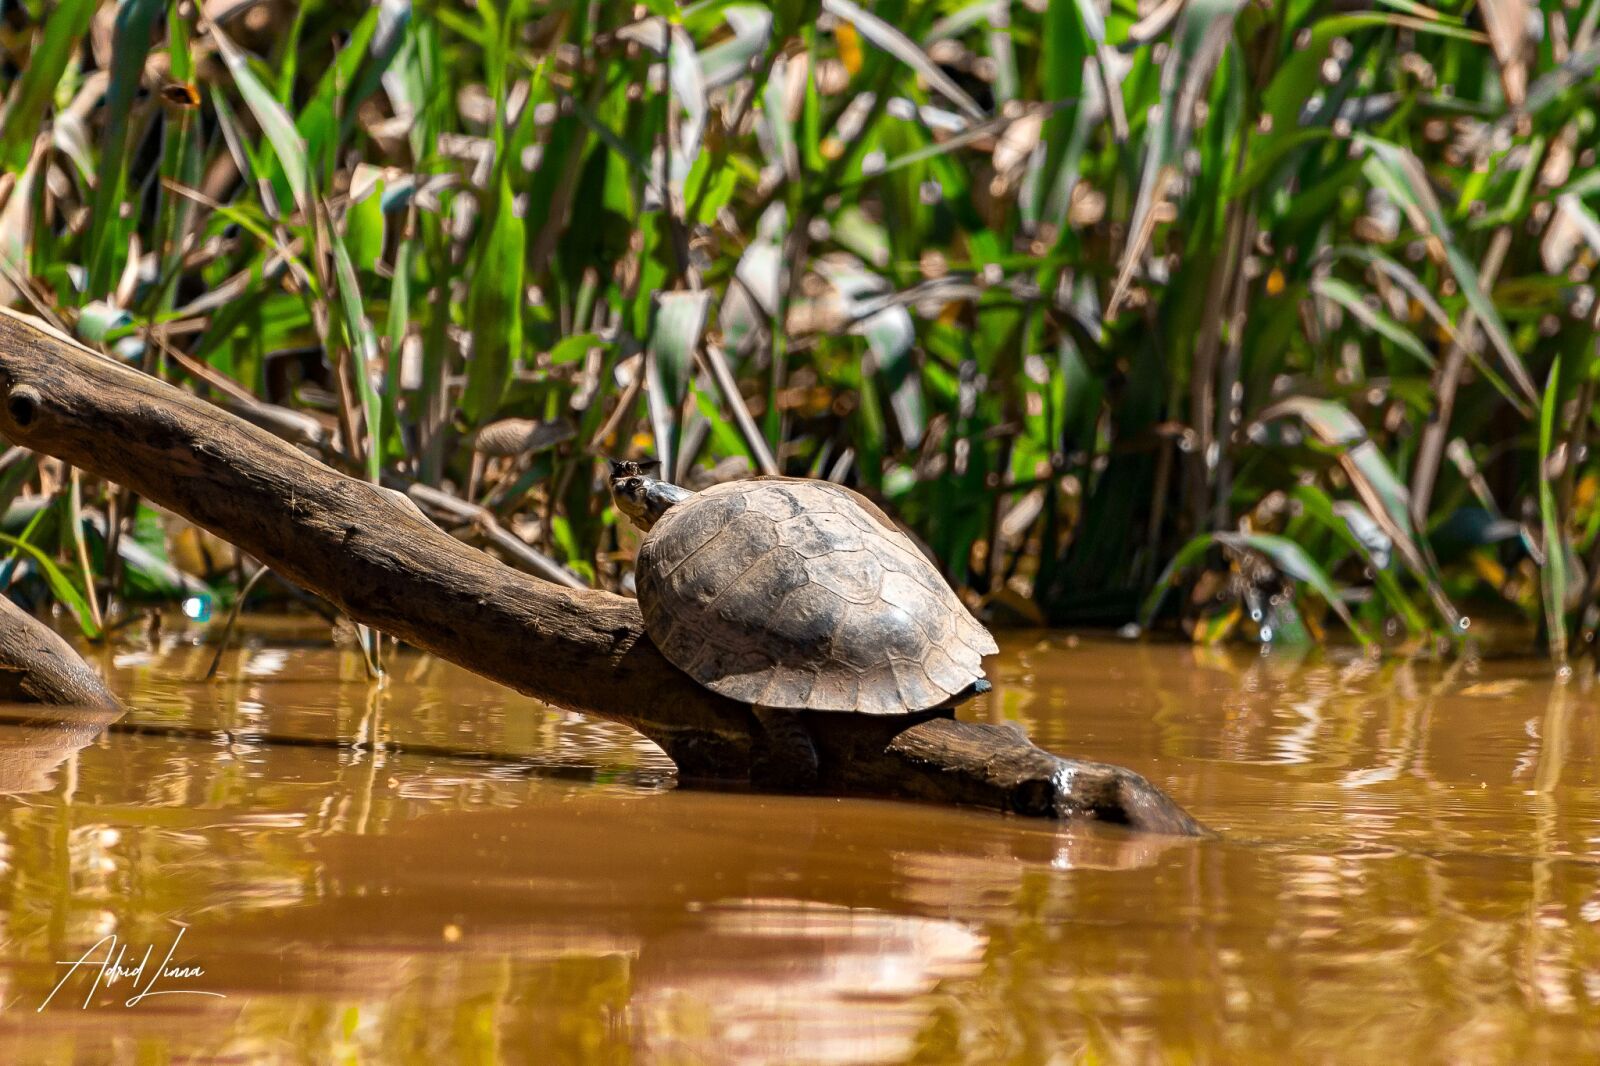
386, 565
38, 666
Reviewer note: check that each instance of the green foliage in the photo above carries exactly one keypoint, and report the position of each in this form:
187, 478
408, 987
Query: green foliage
1242, 288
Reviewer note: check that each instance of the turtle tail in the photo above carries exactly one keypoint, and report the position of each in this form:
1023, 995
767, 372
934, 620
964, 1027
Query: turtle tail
977, 688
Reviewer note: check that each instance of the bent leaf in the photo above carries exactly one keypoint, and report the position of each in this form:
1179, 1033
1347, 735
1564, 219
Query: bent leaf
275, 121
1345, 295
1290, 558
61, 586
1399, 173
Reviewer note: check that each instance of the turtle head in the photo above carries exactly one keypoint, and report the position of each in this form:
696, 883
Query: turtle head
640, 494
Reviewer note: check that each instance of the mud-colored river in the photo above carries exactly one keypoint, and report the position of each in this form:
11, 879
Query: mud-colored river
1408, 871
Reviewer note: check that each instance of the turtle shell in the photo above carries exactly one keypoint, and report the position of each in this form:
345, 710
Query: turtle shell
803, 595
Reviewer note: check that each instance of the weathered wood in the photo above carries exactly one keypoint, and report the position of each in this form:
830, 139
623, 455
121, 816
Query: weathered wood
38, 666
390, 568
997, 766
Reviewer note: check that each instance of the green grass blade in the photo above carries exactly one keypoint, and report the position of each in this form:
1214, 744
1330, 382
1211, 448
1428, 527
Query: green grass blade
61, 586
1398, 172
1292, 560
1553, 576
275, 122
363, 346
33, 91
494, 305
109, 229
1345, 295
669, 365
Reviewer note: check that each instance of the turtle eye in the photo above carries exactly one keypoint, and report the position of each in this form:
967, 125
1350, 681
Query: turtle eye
632, 484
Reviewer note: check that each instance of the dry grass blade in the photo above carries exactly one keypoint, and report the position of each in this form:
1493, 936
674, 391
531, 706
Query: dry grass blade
906, 51
508, 438
226, 636
1155, 22
1507, 22
1139, 241
1446, 383
733, 402
458, 510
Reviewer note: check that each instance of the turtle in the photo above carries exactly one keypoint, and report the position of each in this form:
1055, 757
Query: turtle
796, 596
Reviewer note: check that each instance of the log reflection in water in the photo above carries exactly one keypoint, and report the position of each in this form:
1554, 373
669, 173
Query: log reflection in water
35, 741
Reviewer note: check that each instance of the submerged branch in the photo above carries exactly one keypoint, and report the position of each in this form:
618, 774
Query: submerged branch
386, 566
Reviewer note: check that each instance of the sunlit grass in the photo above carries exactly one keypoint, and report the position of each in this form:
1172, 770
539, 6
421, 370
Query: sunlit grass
1276, 290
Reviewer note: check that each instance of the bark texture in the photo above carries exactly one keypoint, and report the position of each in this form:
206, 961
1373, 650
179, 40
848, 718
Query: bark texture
387, 566
38, 666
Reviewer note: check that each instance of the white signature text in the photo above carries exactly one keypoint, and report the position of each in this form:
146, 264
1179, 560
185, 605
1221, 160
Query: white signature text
113, 966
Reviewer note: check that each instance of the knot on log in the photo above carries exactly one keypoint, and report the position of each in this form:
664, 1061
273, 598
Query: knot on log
22, 405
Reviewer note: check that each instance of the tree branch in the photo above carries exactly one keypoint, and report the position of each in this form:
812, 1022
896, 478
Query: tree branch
387, 566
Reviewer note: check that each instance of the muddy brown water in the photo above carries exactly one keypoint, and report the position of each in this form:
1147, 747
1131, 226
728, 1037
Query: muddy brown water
1408, 871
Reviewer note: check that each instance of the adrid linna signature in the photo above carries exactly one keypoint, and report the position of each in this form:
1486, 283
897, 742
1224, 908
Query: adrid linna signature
110, 969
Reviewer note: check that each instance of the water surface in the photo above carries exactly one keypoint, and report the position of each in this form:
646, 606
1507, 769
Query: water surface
1408, 871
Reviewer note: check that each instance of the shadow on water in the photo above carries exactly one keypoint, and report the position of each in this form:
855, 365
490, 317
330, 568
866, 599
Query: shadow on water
1409, 869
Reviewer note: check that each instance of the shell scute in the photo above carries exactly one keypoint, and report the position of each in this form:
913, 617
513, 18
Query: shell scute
964, 654
852, 576
946, 672
804, 628
820, 533
684, 531
975, 636
647, 584
788, 686
905, 559
834, 690
879, 692
929, 611
776, 501
717, 565
740, 675
873, 634
916, 688
758, 593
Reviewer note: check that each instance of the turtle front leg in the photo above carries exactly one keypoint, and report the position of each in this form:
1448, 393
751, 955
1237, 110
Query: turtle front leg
784, 758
